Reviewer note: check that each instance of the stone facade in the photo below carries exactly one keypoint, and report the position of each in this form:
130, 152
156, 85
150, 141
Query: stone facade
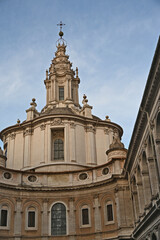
64, 173
143, 160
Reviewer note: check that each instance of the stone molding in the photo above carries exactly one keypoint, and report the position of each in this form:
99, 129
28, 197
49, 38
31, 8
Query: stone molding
56, 121
43, 126
72, 125
121, 188
28, 131
106, 131
12, 136
90, 129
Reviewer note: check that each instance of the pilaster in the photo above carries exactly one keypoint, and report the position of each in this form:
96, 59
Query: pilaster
97, 215
27, 147
72, 142
18, 218
91, 145
71, 218
45, 218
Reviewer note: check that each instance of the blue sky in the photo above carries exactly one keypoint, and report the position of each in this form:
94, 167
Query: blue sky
112, 42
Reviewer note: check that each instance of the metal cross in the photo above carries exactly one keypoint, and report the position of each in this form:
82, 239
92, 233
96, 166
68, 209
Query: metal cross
61, 24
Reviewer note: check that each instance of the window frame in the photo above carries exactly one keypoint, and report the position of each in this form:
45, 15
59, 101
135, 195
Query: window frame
29, 209
59, 93
50, 220
58, 159
81, 216
7, 208
107, 203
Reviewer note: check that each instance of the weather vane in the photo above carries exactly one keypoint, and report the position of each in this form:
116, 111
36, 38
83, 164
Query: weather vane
61, 24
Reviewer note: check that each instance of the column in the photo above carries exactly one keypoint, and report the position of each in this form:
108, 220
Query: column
18, 218
72, 142
27, 147
45, 226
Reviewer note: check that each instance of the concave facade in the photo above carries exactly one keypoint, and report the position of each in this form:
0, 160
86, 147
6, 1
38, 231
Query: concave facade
62, 170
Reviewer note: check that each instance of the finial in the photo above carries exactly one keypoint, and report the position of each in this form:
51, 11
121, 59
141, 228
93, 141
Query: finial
33, 103
85, 100
77, 72
46, 74
84, 96
107, 119
18, 121
61, 33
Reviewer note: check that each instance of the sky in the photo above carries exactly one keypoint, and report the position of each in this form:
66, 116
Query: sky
112, 42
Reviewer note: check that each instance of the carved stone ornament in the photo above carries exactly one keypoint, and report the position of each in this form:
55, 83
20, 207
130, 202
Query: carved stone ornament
106, 131
72, 125
28, 131
43, 126
58, 133
61, 81
71, 199
116, 141
56, 121
90, 129
4, 139
119, 153
12, 135
152, 125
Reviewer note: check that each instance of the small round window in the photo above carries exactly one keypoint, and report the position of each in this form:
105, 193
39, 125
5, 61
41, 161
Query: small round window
7, 175
105, 171
32, 178
83, 176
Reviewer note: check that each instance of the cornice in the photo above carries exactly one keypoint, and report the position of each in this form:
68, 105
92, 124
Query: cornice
51, 117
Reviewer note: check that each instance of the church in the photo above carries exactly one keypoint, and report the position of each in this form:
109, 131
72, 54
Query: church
66, 175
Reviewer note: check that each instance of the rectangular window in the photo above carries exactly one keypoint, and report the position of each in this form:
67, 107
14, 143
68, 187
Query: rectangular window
31, 219
61, 93
109, 212
72, 93
85, 216
3, 218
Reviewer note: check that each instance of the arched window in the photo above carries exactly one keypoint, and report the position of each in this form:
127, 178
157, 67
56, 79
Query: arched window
4, 216
58, 149
85, 216
109, 211
58, 220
